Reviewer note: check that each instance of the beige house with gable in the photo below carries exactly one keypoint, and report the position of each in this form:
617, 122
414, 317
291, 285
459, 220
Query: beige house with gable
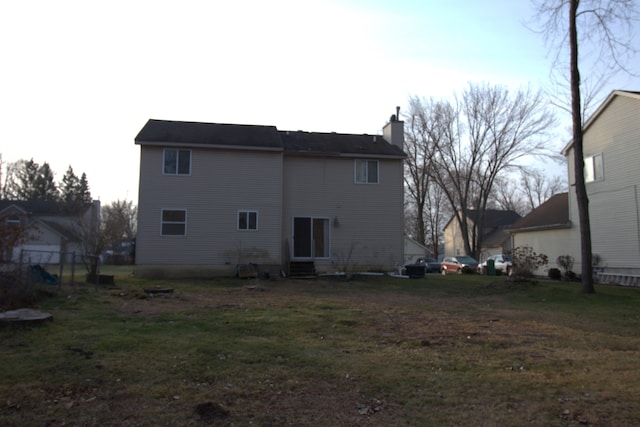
214, 197
612, 171
495, 238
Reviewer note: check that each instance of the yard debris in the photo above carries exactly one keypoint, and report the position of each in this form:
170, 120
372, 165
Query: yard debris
86, 353
158, 290
24, 315
374, 406
211, 412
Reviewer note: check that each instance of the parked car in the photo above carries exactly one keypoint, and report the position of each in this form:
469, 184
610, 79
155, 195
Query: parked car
431, 265
501, 262
455, 264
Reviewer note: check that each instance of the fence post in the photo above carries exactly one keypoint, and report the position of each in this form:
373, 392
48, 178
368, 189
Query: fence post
73, 268
63, 257
20, 272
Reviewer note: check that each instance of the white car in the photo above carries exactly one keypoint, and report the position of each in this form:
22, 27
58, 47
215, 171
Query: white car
501, 262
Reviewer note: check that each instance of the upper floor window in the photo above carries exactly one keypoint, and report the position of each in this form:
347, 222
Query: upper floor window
176, 162
247, 220
594, 168
366, 171
174, 222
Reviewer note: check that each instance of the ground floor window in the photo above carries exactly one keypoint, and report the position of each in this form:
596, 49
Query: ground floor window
174, 222
247, 220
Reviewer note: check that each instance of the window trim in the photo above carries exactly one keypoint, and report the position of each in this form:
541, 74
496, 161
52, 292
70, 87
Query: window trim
366, 178
163, 222
248, 220
177, 172
592, 173
12, 221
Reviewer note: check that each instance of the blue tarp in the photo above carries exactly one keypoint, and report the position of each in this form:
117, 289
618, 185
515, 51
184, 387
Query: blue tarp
42, 275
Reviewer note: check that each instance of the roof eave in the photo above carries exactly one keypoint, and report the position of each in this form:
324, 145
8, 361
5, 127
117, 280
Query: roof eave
599, 111
213, 146
540, 228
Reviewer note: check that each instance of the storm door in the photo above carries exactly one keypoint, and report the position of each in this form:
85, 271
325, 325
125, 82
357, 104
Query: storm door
310, 237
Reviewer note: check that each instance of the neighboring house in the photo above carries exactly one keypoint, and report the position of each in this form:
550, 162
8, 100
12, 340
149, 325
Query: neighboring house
611, 148
214, 197
50, 230
413, 250
546, 229
495, 237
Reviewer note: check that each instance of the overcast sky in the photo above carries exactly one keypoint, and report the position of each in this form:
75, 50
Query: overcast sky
79, 79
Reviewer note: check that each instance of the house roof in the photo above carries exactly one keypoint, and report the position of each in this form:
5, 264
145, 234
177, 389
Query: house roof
495, 238
554, 213
65, 232
492, 217
36, 207
601, 108
339, 144
498, 218
216, 135
209, 134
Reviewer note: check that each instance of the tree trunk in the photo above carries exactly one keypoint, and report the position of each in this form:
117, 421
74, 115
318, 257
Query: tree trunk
581, 192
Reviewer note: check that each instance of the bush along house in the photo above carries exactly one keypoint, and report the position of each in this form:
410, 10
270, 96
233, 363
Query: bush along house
226, 199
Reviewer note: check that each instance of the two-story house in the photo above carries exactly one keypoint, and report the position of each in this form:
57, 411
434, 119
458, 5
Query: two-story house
611, 146
213, 197
495, 238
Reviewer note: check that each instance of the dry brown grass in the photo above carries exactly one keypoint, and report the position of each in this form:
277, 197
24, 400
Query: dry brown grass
378, 351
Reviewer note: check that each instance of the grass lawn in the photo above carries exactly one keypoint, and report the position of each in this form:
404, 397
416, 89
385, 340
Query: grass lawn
375, 351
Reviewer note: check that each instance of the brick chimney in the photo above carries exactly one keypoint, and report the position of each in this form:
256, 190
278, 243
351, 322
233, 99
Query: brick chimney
393, 132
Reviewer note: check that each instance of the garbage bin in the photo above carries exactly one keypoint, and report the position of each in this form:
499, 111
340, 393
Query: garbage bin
491, 267
416, 271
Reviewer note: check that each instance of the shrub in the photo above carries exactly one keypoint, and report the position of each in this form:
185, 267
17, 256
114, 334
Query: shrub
526, 261
565, 262
468, 270
555, 274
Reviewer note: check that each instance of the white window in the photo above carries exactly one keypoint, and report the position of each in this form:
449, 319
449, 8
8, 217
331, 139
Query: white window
174, 222
594, 168
12, 221
247, 220
366, 171
176, 162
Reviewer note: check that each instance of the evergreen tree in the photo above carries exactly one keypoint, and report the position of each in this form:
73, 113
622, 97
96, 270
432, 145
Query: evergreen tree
45, 185
83, 193
70, 183
27, 174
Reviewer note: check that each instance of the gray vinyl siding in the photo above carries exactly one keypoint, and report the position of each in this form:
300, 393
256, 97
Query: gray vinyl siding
614, 209
365, 220
221, 183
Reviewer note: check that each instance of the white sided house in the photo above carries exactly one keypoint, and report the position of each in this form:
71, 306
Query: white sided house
218, 199
51, 232
611, 148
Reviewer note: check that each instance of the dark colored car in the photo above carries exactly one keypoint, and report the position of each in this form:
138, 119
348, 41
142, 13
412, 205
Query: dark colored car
430, 264
455, 264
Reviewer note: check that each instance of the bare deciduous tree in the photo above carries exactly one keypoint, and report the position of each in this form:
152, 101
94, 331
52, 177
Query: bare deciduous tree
538, 187
118, 222
606, 29
474, 139
423, 131
528, 191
